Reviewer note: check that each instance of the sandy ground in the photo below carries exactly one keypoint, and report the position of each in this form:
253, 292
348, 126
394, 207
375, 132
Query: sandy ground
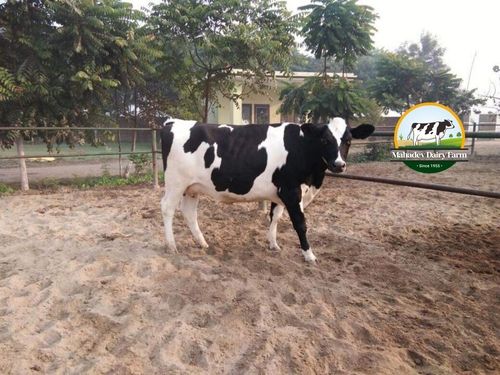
407, 283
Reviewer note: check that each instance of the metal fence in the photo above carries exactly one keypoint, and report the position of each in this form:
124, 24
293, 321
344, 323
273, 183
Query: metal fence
380, 134
153, 151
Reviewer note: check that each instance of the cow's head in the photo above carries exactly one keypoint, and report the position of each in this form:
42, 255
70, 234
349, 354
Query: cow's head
449, 123
335, 140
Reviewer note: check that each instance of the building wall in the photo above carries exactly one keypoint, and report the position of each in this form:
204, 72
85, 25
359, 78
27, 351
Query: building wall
227, 112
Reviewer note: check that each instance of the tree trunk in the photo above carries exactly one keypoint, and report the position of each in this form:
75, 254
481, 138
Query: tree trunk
134, 136
324, 69
207, 94
22, 164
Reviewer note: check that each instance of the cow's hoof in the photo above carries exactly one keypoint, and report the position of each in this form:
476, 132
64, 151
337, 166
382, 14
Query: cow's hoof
204, 245
309, 256
274, 247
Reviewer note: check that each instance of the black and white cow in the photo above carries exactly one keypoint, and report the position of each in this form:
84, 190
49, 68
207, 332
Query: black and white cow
241, 163
429, 131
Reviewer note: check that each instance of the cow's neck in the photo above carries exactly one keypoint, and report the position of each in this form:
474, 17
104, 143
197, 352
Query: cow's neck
316, 167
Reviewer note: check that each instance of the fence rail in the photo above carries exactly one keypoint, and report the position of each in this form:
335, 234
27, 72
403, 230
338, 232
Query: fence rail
421, 185
154, 152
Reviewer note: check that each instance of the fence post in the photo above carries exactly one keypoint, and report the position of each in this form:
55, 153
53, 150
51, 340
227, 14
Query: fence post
120, 169
155, 165
473, 140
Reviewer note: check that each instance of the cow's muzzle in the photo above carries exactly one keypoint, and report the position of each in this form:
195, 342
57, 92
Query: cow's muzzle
337, 166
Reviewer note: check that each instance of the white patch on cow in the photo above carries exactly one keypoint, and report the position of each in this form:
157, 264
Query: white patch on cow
226, 126
338, 126
271, 234
309, 256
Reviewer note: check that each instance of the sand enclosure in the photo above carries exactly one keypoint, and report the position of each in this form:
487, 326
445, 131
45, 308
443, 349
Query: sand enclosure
408, 282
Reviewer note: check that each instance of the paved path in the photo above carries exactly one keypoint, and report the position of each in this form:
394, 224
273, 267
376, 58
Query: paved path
61, 170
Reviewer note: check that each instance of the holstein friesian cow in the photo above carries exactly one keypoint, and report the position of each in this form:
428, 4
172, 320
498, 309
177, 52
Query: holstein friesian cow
242, 163
429, 131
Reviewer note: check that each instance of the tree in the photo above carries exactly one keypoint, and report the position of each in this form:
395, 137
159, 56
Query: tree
416, 73
215, 38
427, 50
399, 81
308, 63
319, 99
340, 30
62, 62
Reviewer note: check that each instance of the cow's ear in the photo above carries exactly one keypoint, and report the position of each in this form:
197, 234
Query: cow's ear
362, 131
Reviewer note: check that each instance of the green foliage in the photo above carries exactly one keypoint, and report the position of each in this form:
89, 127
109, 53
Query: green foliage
207, 41
373, 152
105, 180
142, 162
415, 74
451, 135
459, 134
61, 61
5, 189
319, 98
341, 29
400, 80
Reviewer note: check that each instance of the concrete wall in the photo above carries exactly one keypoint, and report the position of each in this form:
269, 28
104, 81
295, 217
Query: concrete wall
228, 112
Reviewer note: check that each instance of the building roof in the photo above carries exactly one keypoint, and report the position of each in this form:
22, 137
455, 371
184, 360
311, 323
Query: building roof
298, 76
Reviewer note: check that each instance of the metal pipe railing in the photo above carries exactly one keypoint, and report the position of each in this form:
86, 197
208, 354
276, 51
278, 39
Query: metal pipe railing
72, 156
68, 128
421, 185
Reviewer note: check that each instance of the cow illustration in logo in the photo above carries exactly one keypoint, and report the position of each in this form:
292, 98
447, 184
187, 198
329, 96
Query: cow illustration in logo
429, 132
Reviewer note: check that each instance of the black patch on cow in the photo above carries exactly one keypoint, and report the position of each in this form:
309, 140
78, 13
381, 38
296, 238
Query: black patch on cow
430, 128
167, 138
441, 128
422, 125
304, 164
209, 156
241, 160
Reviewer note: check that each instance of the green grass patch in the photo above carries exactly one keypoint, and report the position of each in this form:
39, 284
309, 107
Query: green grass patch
105, 181
444, 143
5, 189
78, 150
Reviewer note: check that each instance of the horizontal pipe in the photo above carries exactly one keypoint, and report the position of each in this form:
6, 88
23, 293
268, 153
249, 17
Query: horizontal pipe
379, 133
73, 156
69, 128
420, 185
467, 134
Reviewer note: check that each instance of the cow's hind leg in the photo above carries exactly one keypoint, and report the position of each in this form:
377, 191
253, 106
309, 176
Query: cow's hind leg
169, 203
275, 215
189, 206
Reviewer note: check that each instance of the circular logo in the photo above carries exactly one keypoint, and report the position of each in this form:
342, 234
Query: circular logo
429, 138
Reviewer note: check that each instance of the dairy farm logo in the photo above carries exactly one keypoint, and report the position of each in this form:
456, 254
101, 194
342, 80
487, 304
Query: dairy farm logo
429, 138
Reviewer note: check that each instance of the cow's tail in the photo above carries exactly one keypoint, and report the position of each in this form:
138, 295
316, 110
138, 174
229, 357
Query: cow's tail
167, 138
409, 134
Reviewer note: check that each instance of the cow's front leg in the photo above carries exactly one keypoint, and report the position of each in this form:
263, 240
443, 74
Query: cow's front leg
292, 198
